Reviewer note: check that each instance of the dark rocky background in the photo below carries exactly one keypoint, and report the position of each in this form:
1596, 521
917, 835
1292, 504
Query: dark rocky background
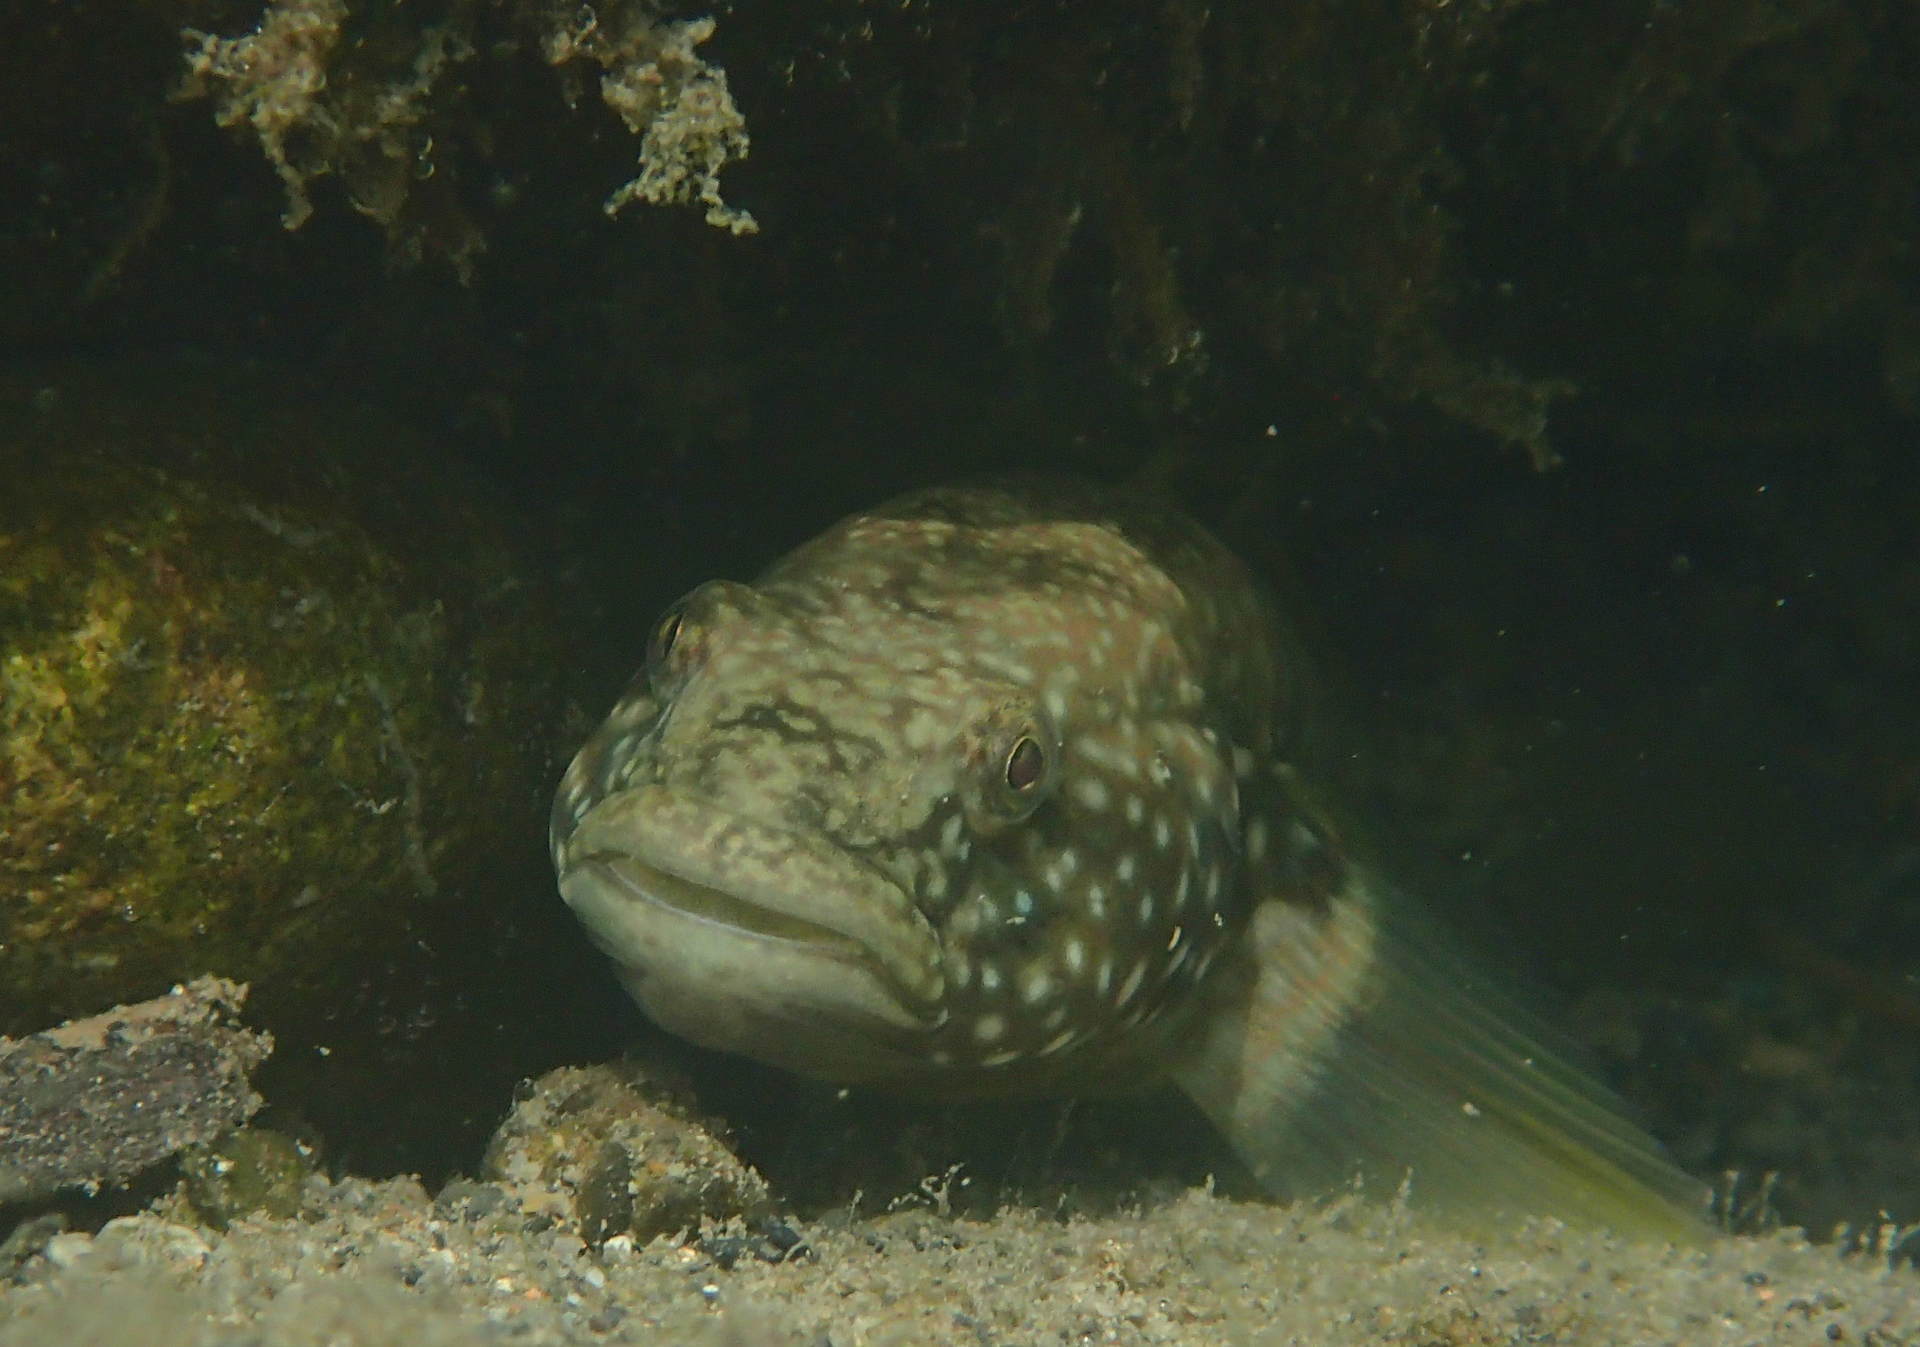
1561, 363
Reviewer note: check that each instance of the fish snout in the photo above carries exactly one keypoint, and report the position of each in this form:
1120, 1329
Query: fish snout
753, 938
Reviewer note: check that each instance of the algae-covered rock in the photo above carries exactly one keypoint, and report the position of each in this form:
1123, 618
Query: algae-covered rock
273, 694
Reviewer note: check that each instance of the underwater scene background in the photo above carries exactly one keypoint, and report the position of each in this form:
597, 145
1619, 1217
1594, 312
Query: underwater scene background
372, 375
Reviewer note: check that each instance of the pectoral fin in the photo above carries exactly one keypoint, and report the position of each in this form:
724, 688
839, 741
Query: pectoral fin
1355, 1044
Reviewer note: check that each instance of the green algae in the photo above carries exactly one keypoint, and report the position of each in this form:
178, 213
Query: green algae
251, 1171
268, 696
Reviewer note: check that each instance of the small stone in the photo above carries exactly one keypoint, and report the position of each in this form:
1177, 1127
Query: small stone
609, 1152
467, 1199
64, 1250
132, 1241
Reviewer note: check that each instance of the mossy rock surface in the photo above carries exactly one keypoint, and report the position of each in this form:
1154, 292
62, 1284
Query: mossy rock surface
274, 691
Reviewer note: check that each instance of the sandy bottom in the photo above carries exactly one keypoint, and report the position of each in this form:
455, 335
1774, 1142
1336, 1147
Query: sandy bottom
384, 1262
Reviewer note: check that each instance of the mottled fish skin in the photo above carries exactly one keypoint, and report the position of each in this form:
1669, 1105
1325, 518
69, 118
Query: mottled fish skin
985, 791
863, 707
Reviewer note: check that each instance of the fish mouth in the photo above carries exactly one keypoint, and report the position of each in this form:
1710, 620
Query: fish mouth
753, 938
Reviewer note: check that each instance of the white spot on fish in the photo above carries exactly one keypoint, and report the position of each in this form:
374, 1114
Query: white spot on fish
1125, 868
921, 729
1058, 1041
1109, 756
1092, 792
1257, 840
1097, 901
1036, 988
1011, 670
1074, 955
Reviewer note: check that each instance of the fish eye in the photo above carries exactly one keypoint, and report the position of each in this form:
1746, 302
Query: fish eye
1026, 766
666, 646
665, 632
1014, 756
686, 634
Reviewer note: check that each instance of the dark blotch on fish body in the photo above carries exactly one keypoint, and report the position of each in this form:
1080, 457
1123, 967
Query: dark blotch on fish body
987, 791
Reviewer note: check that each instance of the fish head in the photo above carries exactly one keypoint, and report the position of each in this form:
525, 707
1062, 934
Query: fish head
936, 802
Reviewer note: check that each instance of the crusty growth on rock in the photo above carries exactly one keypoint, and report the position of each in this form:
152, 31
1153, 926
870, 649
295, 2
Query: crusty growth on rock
366, 97
99, 1099
671, 98
271, 79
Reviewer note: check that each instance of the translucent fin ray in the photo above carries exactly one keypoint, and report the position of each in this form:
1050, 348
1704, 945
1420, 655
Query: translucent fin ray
1360, 1045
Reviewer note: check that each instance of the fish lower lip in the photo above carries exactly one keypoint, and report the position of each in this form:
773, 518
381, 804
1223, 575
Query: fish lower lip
739, 975
701, 902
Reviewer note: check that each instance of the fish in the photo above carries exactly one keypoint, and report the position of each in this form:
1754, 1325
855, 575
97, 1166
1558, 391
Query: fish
996, 790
